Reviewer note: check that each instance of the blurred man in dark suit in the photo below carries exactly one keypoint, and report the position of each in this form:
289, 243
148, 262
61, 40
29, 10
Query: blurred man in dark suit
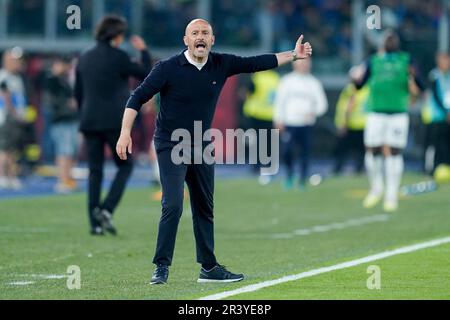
102, 89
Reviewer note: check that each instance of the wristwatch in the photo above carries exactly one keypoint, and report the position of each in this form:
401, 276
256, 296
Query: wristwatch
294, 55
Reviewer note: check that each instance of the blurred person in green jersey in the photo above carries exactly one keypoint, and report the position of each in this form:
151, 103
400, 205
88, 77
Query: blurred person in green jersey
391, 77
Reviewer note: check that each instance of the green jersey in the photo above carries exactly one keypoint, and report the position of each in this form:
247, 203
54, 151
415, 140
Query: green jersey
388, 83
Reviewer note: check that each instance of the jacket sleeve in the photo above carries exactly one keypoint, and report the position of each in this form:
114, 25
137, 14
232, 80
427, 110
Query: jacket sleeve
152, 84
236, 64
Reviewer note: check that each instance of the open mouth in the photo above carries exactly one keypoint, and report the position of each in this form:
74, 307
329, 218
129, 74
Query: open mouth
200, 45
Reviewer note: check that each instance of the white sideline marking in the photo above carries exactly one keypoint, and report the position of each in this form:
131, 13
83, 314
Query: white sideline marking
333, 226
44, 276
20, 283
310, 273
35, 276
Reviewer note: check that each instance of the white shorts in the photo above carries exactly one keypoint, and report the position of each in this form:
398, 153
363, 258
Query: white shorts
386, 129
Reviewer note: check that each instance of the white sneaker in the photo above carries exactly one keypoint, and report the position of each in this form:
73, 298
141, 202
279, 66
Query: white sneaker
390, 206
371, 200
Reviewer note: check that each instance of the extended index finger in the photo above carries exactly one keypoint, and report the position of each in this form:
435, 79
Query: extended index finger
300, 39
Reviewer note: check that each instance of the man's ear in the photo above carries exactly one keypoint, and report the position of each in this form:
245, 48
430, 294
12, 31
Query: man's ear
213, 40
185, 41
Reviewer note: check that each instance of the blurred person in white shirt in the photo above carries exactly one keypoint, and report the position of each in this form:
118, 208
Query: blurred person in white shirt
12, 113
299, 101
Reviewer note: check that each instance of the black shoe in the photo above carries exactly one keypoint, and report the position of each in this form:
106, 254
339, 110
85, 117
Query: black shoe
219, 274
97, 231
160, 275
104, 217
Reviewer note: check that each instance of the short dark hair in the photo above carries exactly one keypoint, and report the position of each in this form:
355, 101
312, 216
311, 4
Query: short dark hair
110, 27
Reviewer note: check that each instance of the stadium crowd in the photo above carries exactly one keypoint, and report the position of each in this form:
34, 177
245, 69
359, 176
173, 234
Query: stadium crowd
238, 23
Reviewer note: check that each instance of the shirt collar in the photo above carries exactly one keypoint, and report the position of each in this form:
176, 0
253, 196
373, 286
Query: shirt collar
183, 61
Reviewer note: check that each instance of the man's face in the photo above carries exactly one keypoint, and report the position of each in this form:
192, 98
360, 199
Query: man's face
199, 39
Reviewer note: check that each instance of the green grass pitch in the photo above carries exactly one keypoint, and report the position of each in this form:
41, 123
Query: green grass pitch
255, 234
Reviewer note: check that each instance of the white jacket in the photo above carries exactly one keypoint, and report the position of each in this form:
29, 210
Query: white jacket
300, 99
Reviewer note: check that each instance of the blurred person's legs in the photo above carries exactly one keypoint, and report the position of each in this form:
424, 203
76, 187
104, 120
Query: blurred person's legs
429, 149
394, 167
65, 139
340, 152
293, 138
288, 149
265, 125
10, 134
447, 144
396, 140
3, 176
441, 138
374, 140
8, 173
101, 213
386, 135
357, 142
303, 136
351, 142
125, 168
95, 155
